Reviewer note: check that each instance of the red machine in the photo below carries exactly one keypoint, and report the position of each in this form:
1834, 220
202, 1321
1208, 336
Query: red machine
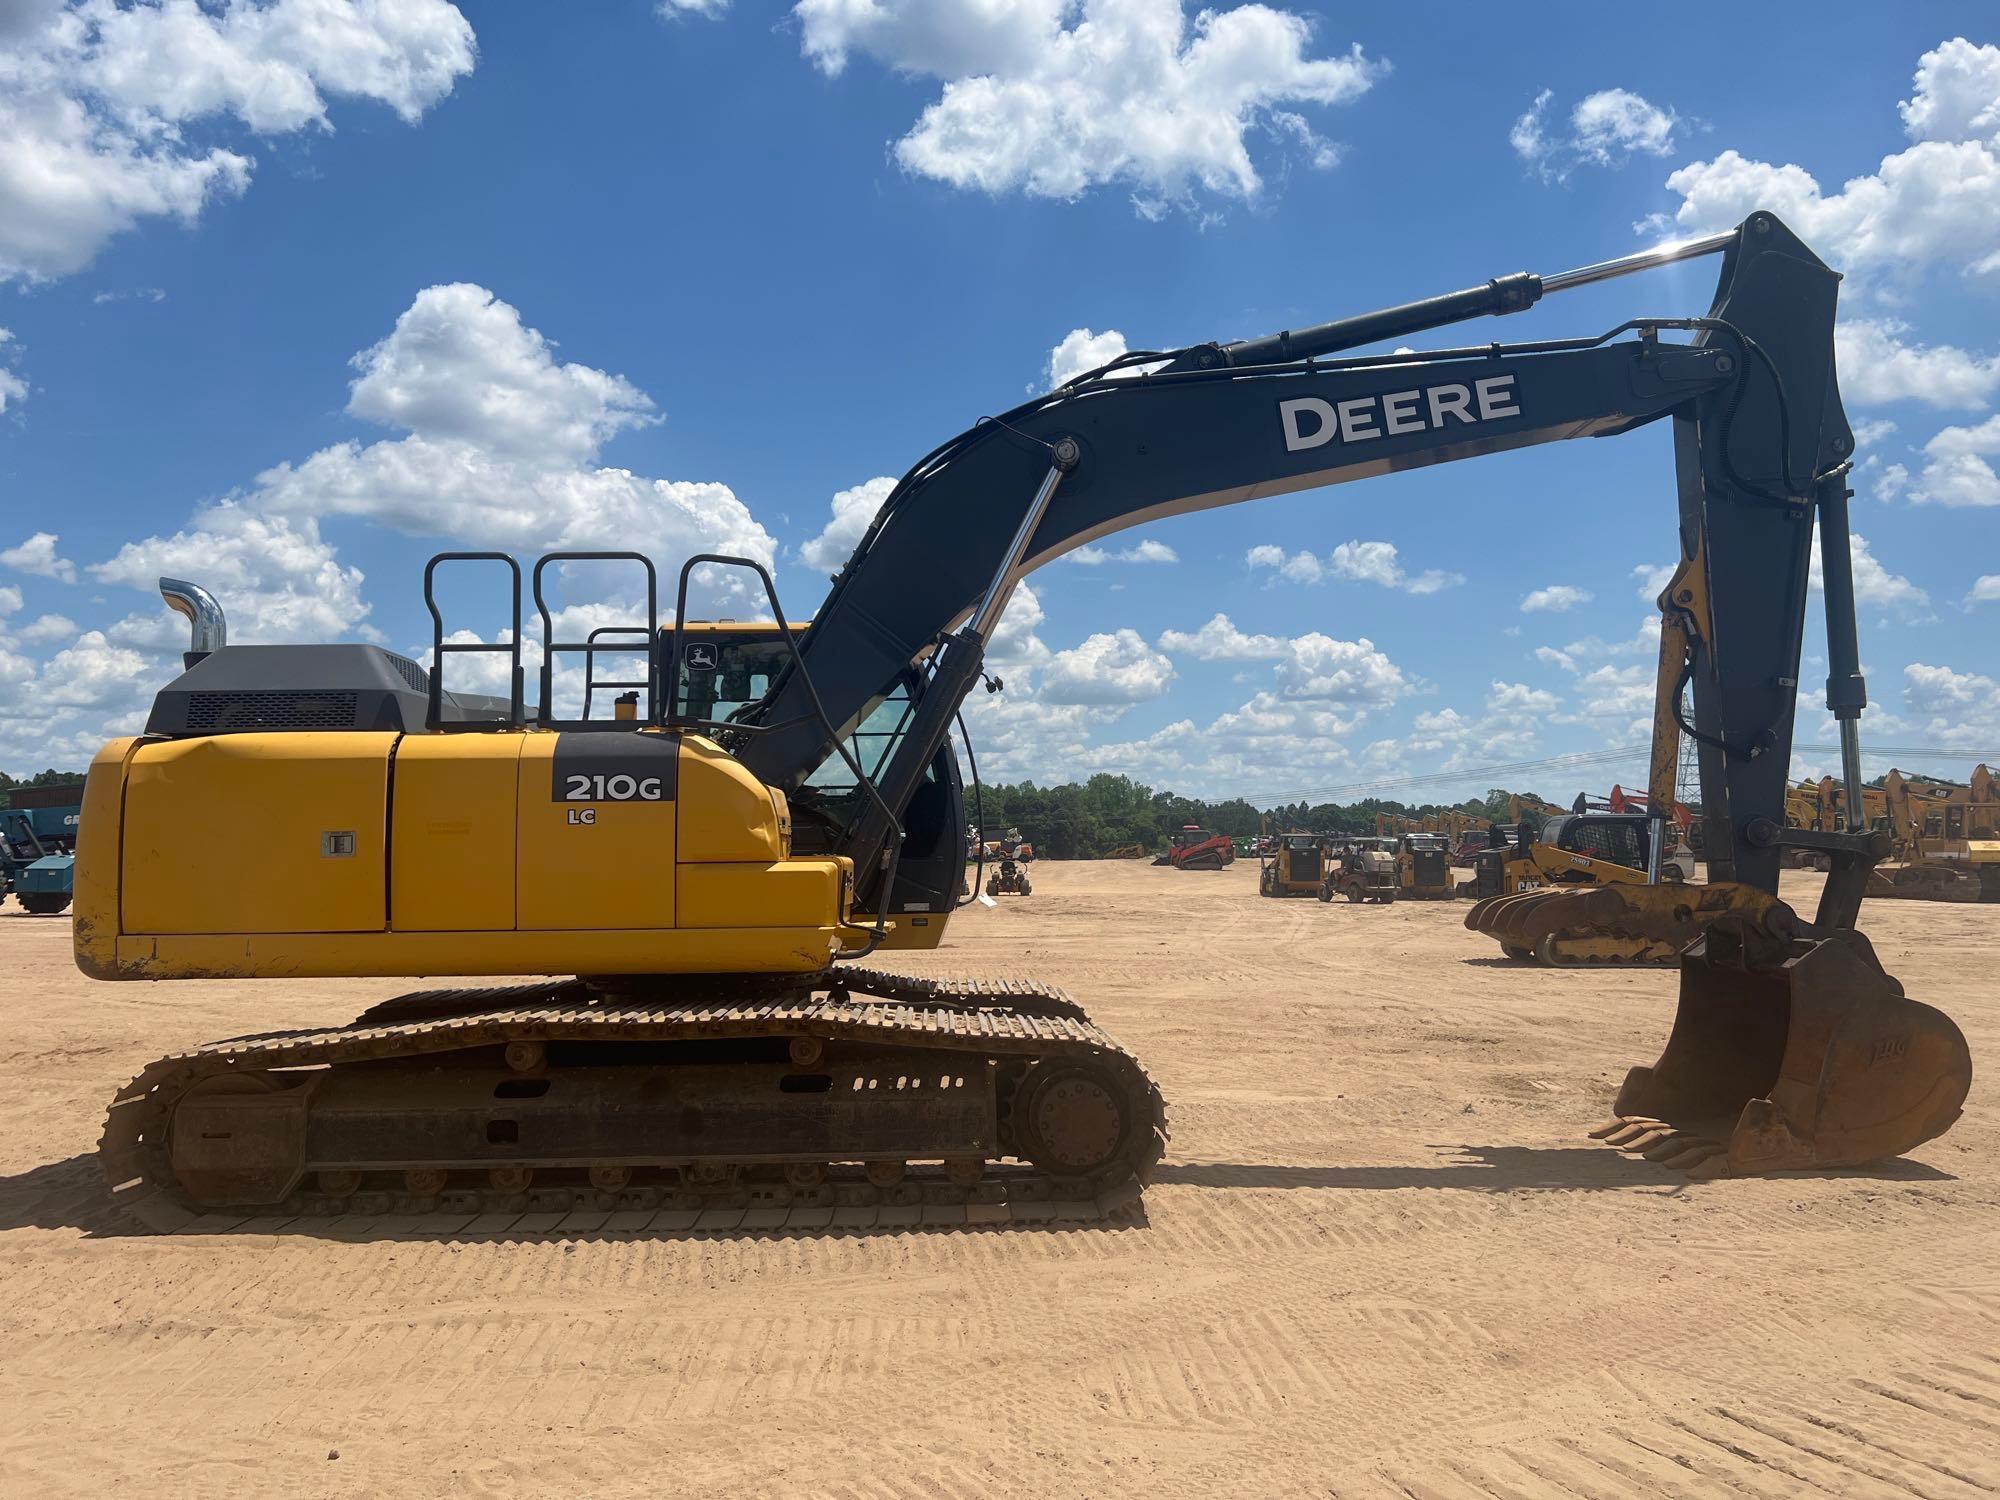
1195, 848
1624, 801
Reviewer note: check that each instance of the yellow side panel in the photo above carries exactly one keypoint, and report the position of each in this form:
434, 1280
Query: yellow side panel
908, 931
256, 833
452, 857
293, 955
786, 893
596, 840
94, 931
728, 816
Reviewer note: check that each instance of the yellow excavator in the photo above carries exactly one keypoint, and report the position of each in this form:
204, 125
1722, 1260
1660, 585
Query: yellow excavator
1606, 888
1944, 835
703, 884
1946, 839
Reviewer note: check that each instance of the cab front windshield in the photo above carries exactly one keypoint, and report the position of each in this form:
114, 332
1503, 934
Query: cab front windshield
723, 671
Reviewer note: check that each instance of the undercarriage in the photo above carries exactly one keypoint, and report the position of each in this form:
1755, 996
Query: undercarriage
850, 1098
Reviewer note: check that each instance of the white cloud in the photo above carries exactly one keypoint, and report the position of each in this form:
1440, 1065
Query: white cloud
1606, 129
1520, 698
277, 579
1645, 641
853, 512
1957, 94
100, 104
1356, 561
1015, 644
1872, 430
1299, 567
1555, 599
708, 8
1938, 201
10, 599
460, 366
1081, 351
1960, 442
38, 555
12, 386
1963, 708
1624, 694
1220, 640
1115, 668
45, 628
92, 673
1961, 480
1349, 672
1148, 551
1321, 691
502, 448
1885, 481
1055, 97
1877, 366
1377, 562
1957, 471
1653, 577
1987, 587
1873, 583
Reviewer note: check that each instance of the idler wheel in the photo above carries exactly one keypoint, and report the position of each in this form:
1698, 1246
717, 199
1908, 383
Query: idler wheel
1071, 1119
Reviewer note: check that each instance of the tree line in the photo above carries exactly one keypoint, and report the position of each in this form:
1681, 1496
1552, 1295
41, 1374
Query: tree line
1085, 821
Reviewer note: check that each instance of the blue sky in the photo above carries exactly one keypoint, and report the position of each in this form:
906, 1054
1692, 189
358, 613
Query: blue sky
298, 293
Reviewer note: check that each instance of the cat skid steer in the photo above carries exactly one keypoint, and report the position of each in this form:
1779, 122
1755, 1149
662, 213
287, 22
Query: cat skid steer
712, 881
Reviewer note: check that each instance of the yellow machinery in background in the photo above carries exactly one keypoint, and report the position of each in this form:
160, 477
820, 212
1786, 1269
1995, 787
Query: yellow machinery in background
1452, 826
1946, 839
1944, 835
1295, 864
1423, 867
1598, 888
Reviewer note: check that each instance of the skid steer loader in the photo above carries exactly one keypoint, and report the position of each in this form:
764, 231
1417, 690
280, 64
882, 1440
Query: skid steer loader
702, 887
1295, 865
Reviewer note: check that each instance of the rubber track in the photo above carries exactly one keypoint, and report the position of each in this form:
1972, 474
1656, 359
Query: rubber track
978, 1018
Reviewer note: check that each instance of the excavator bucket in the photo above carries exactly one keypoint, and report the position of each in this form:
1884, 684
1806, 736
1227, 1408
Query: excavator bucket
1816, 1061
1611, 924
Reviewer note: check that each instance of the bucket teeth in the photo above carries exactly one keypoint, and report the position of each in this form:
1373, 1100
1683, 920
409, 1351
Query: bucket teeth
1689, 1154
1670, 1147
1630, 1132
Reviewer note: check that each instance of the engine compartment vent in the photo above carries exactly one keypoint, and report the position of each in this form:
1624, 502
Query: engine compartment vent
215, 712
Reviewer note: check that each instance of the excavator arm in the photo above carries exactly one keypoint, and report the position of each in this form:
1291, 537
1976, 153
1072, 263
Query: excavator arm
1791, 1045
1760, 441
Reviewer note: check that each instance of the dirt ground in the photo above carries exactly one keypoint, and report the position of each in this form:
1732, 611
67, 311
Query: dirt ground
1379, 1259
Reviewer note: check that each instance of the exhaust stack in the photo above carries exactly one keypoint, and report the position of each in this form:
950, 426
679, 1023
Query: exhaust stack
208, 629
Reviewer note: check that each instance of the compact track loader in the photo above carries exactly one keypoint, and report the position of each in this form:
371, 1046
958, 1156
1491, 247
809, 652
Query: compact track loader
702, 883
1193, 848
